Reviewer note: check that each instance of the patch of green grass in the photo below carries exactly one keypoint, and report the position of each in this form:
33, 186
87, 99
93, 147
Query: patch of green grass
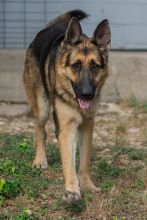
17, 174
117, 150
107, 185
20, 216
30, 183
40, 191
53, 156
2, 200
13, 147
18, 179
10, 188
138, 154
74, 208
21, 146
137, 105
134, 154
139, 183
44, 209
134, 102
104, 173
104, 169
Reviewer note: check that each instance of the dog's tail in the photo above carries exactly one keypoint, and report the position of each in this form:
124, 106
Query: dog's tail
63, 20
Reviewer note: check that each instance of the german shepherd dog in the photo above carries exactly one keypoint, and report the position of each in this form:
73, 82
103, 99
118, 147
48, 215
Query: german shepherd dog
65, 70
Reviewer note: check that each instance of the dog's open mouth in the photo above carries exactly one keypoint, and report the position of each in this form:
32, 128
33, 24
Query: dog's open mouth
84, 103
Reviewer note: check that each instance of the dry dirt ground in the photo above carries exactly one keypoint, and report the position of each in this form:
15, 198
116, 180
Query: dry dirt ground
114, 124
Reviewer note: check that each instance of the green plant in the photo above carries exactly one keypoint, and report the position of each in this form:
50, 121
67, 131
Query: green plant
139, 183
10, 188
137, 105
75, 208
105, 169
134, 154
107, 185
2, 200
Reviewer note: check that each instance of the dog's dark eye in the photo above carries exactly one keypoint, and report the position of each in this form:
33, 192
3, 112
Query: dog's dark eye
94, 66
77, 65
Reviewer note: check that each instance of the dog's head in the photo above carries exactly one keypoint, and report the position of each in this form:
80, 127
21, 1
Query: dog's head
85, 60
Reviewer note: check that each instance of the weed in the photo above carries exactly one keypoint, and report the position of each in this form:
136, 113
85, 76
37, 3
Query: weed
75, 208
102, 168
137, 105
105, 173
20, 216
2, 200
2, 182
139, 183
10, 188
53, 156
107, 185
138, 154
134, 154
134, 103
120, 133
44, 209
87, 196
17, 176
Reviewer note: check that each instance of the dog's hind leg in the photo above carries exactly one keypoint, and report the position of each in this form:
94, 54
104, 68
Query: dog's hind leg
39, 105
40, 134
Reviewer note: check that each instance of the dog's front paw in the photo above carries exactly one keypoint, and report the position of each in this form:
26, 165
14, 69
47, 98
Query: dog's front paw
40, 163
71, 197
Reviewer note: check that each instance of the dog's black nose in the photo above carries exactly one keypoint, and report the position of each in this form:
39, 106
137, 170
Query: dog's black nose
87, 93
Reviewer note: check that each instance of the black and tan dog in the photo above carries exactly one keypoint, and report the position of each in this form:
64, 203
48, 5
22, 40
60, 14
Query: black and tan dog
66, 70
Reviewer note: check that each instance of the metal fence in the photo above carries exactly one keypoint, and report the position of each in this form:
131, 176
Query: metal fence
20, 20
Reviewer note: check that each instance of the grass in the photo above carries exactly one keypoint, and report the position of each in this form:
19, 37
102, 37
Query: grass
134, 154
29, 193
137, 105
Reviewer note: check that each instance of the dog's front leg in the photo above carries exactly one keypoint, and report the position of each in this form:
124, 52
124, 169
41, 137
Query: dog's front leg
86, 133
67, 142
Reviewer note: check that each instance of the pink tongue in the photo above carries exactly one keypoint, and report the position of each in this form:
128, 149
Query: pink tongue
84, 104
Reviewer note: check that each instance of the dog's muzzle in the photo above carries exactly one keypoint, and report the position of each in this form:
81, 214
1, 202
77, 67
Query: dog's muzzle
85, 93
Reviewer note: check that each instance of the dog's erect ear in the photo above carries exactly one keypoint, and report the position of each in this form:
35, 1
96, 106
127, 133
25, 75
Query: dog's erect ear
102, 35
73, 32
